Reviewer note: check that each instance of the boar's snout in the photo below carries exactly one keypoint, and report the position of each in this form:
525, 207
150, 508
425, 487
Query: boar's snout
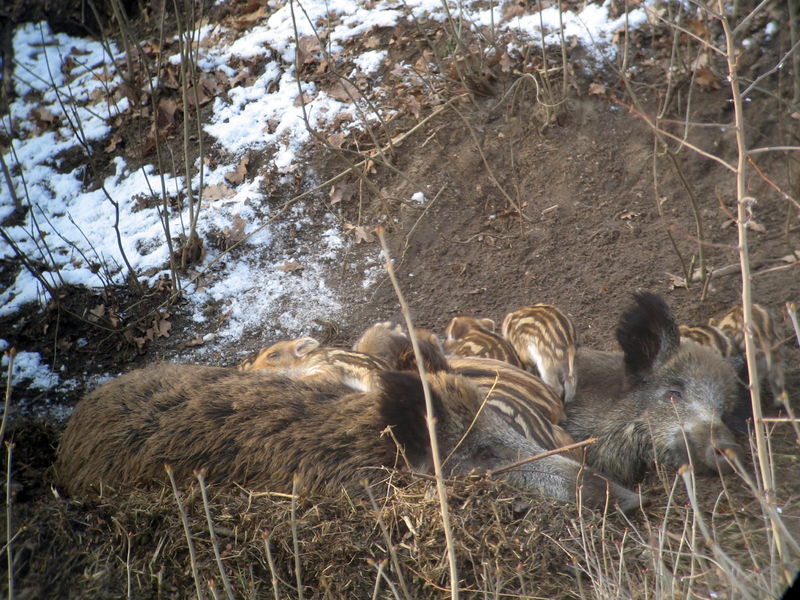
597, 491
713, 447
717, 455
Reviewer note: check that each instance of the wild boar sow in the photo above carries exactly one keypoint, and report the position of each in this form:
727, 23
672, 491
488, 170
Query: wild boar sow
259, 430
659, 399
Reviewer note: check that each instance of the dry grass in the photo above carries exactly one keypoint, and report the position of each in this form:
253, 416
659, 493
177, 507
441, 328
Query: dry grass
507, 544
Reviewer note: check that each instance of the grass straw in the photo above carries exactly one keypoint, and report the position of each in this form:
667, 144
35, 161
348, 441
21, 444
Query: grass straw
201, 478
429, 419
272, 569
9, 522
11, 354
187, 532
295, 542
389, 546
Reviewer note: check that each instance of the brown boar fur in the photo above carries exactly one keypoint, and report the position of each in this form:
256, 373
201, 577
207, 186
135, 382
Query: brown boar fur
260, 430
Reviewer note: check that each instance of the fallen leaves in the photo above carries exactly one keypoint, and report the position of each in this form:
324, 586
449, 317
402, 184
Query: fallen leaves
341, 192
290, 267
360, 233
159, 326
236, 176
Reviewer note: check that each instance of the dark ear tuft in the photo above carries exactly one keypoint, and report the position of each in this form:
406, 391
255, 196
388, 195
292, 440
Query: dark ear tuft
402, 406
432, 357
647, 333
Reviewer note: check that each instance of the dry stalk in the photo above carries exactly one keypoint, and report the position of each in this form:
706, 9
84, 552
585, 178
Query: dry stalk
791, 309
389, 546
271, 563
735, 575
189, 79
10, 354
295, 543
541, 455
9, 522
201, 478
743, 203
430, 420
185, 521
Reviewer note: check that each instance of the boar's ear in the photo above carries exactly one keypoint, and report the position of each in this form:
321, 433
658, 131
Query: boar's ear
487, 324
457, 328
648, 334
432, 357
402, 407
304, 345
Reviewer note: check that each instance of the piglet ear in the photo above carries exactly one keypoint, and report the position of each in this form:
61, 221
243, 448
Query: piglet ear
304, 345
487, 324
457, 328
402, 407
648, 334
432, 357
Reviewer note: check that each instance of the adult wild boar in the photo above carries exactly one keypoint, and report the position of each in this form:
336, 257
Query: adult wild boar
659, 399
259, 430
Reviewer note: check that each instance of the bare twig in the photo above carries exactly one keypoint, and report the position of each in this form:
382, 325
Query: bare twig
11, 354
190, 544
540, 456
430, 419
295, 542
201, 478
9, 522
389, 545
742, 204
272, 569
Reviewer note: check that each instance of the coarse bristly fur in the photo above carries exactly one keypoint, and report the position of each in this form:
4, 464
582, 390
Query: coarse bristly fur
260, 430
468, 336
546, 342
659, 399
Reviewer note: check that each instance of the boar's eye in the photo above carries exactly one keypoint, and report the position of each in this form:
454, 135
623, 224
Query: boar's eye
675, 395
273, 355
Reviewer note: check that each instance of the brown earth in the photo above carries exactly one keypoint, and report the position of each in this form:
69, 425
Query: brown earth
581, 231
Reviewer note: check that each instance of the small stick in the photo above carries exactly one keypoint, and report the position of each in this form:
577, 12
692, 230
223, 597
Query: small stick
295, 544
388, 540
9, 523
430, 420
201, 478
541, 455
272, 570
11, 354
185, 521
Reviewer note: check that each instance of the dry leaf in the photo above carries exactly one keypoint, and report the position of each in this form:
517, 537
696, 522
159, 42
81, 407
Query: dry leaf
218, 191
245, 21
505, 63
341, 192
166, 113
699, 28
706, 78
235, 232
597, 89
307, 47
629, 216
336, 139
362, 235
290, 267
344, 91
236, 177
115, 141
97, 313
162, 327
